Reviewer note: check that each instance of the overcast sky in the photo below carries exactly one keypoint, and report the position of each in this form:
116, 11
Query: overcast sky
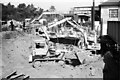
60, 5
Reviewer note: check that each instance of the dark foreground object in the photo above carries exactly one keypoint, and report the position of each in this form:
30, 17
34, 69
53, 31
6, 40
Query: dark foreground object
111, 69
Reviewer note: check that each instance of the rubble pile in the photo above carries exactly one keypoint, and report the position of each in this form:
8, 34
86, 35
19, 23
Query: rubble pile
16, 50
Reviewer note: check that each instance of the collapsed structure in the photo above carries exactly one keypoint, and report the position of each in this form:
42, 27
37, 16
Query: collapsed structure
55, 31
61, 40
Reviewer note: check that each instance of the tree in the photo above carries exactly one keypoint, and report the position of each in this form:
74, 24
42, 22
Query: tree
9, 5
10, 11
20, 12
52, 8
22, 6
32, 7
38, 11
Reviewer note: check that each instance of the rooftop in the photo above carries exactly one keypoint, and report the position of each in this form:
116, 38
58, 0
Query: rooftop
86, 7
111, 3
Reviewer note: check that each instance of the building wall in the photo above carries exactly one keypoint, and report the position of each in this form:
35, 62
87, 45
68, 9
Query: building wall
119, 13
105, 17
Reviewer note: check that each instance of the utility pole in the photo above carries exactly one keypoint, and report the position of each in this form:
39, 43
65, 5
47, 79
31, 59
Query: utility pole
93, 15
93, 21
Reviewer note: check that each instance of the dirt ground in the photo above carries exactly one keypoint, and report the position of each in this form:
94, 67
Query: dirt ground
17, 46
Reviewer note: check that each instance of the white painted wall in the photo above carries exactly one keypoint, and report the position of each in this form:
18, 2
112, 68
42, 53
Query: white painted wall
119, 14
105, 17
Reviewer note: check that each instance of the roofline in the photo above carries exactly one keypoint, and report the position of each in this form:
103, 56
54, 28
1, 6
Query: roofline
112, 4
86, 7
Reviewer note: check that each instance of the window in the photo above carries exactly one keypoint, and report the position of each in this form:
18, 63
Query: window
113, 13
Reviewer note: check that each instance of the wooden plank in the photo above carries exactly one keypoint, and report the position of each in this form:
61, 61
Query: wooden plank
17, 76
26, 77
11, 74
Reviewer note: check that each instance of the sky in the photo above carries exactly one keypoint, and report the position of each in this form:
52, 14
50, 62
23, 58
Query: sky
60, 5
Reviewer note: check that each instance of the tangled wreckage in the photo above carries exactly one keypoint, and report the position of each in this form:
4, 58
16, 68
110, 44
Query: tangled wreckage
64, 31
62, 41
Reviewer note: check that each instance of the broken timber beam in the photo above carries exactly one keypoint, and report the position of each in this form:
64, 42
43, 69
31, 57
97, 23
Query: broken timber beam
17, 76
13, 73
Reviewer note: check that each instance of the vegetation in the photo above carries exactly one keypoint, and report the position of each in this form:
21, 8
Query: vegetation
20, 12
52, 9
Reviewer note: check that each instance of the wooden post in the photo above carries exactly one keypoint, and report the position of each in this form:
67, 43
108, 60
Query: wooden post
93, 15
0, 17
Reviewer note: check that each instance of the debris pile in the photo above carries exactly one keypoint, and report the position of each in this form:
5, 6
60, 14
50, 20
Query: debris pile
80, 63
